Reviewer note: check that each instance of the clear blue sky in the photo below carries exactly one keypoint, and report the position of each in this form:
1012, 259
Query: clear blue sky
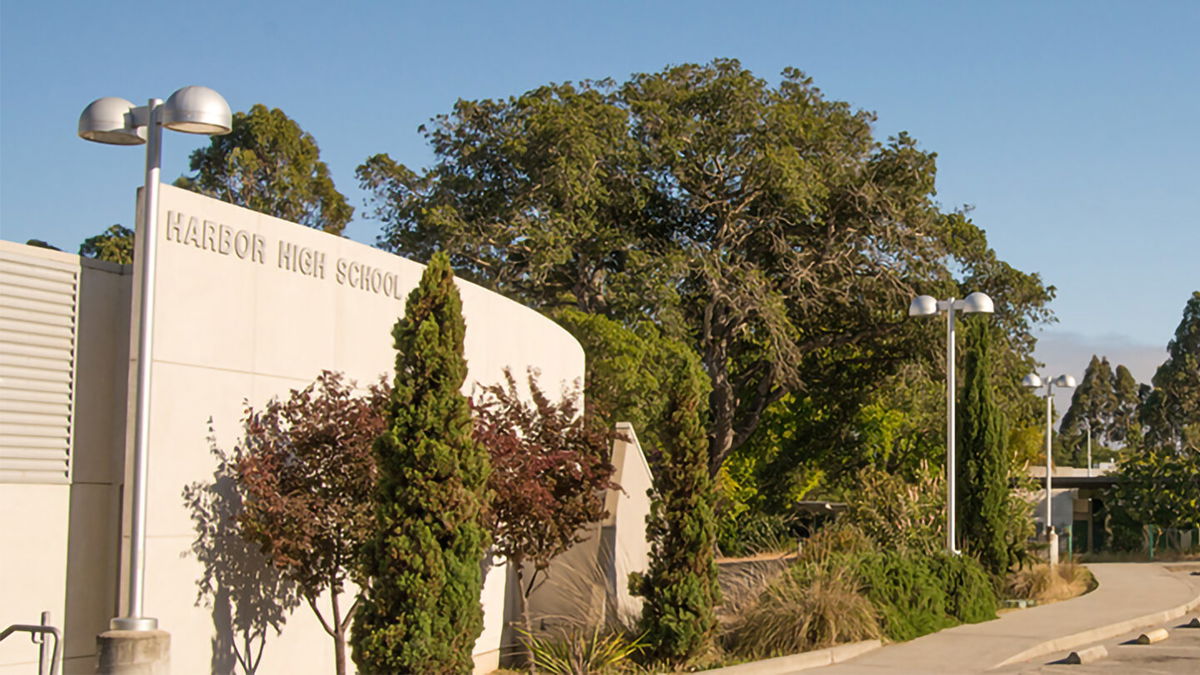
1070, 127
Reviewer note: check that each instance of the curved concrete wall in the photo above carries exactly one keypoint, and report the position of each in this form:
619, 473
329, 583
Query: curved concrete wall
249, 307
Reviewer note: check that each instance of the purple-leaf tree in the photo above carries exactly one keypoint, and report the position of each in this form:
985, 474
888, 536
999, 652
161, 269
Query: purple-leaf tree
308, 472
550, 472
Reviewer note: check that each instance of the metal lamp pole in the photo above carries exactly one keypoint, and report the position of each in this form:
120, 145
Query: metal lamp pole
1034, 381
116, 121
924, 305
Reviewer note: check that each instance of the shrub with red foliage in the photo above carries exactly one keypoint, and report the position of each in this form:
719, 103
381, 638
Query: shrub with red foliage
550, 472
308, 472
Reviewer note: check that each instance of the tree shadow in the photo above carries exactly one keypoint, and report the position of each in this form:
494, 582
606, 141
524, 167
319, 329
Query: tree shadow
248, 595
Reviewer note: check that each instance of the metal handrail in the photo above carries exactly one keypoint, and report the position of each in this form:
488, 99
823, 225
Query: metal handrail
37, 635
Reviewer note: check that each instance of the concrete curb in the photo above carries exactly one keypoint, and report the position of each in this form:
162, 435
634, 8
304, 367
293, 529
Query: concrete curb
1112, 630
804, 661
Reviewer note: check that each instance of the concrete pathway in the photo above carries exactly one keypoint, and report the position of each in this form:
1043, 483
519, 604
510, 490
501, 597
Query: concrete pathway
1129, 596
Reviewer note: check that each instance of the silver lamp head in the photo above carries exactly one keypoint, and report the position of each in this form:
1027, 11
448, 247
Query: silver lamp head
1032, 380
197, 110
978, 302
922, 305
1064, 381
110, 120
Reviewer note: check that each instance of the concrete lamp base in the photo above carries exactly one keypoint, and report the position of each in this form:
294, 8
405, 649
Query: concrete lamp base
133, 652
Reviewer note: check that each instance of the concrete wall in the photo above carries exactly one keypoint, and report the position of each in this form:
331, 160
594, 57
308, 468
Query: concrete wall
248, 307
588, 585
625, 528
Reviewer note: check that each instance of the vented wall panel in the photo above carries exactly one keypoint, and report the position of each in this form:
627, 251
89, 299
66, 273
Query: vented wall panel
37, 364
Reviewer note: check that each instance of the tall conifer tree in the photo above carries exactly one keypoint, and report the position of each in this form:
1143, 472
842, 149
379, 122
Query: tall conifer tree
1125, 428
1171, 414
421, 611
680, 587
1093, 410
983, 448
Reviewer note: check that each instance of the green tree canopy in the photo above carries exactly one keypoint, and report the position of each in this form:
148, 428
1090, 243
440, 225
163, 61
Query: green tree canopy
114, 245
761, 223
271, 165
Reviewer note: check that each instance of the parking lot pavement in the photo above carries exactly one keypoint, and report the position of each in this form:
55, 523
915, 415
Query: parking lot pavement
1179, 654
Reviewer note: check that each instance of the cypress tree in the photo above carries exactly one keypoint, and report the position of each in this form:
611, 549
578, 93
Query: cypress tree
421, 611
983, 449
680, 586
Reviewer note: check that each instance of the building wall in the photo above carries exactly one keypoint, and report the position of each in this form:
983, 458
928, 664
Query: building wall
63, 348
248, 307
625, 528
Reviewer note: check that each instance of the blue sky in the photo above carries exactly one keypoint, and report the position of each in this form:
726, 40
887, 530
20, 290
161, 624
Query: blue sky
1070, 127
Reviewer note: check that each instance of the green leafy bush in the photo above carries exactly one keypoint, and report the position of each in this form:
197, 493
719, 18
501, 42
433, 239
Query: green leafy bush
909, 596
917, 594
899, 513
970, 590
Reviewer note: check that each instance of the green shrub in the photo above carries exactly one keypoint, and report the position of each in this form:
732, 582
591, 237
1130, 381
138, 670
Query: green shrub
970, 590
915, 593
898, 513
680, 583
581, 651
909, 596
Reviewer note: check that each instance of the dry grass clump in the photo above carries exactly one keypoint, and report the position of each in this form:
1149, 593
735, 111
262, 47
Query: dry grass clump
1045, 584
797, 613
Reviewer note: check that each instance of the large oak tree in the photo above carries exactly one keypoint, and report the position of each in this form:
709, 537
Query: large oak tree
764, 224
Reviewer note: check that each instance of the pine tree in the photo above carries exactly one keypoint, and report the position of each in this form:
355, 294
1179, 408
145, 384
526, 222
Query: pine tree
983, 449
421, 611
1093, 409
1171, 414
680, 587
1125, 428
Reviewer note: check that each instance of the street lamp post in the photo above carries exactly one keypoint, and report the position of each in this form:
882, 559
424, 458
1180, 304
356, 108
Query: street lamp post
116, 121
925, 305
1034, 381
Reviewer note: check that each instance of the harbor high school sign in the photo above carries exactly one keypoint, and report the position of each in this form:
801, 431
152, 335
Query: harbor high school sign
219, 238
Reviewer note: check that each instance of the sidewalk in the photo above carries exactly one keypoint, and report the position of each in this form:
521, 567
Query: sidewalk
1129, 595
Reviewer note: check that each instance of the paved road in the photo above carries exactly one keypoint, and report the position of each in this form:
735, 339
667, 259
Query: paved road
1177, 655
1126, 591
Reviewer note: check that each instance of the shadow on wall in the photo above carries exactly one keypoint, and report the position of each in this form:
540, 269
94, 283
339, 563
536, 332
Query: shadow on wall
248, 595
97, 458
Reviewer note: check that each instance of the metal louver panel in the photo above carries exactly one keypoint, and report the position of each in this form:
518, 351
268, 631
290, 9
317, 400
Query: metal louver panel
37, 362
